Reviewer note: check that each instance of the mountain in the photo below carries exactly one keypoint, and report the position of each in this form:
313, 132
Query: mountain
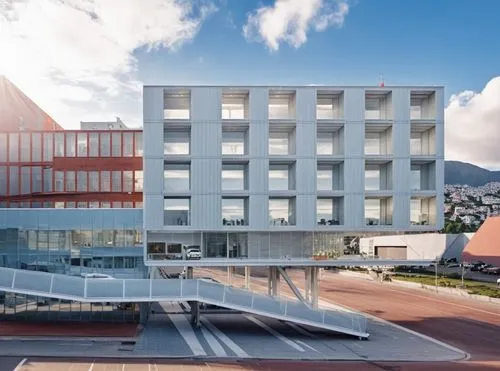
456, 172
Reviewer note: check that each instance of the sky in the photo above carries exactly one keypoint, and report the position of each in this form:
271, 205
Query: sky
86, 60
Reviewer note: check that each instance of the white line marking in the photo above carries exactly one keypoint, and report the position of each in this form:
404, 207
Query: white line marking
306, 345
186, 331
123, 367
300, 329
225, 339
213, 342
20, 364
275, 333
91, 366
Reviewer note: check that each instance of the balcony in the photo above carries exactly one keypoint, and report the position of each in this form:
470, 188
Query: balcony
329, 106
378, 106
423, 211
422, 106
378, 211
177, 105
422, 139
281, 211
329, 140
234, 212
177, 211
378, 177
329, 177
378, 140
423, 176
281, 105
234, 105
330, 211
281, 141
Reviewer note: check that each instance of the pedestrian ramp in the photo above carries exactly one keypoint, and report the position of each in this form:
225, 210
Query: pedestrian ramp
90, 290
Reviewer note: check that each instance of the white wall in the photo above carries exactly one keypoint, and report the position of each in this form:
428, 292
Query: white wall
420, 246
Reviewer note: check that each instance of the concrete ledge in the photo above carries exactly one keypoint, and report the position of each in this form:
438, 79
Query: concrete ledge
364, 276
444, 290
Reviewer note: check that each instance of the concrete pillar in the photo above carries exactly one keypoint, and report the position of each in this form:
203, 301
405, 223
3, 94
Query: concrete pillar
143, 313
195, 313
230, 275
273, 279
307, 284
247, 277
189, 273
314, 287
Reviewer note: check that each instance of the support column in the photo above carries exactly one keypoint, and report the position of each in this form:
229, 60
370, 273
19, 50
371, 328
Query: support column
273, 279
314, 287
230, 273
193, 305
247, 277
143, 313
307, 284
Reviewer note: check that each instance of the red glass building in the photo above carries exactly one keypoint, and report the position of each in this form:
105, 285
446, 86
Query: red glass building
42, 165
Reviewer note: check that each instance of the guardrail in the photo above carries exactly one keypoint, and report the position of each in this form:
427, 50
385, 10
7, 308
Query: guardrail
151, 290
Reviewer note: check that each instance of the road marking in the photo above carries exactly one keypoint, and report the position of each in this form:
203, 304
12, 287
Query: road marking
306, 345
213, 343
186, 331
275, 333
91, 366
225, 339
20, 364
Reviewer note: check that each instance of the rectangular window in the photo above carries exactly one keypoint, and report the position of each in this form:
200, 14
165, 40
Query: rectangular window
233, 177
25, 180
324, 178
176, 143
81, 205
280, 212
93, 144
3, 147
3, 180
105, 181
372, 179
128, 144
324, 211
279, 143
233, 143
176, 178
176, 211
278, 177
82, 145
93, 181
13, 147
93, 204
128, 185
105, 145
116, 139
48, 143
105, 205
70, 181
233, 211
25, 147
116, 181
36, 147
280, 106
138, 181
14, 180
59, 145
59, 205
36, 179
116, 204
70, 144
59, 181
81, 181
372, 144
70, 205
47, 180
324, 143
138, 144
128, 205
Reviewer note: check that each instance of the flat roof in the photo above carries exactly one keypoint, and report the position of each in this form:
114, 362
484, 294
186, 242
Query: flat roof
324, 87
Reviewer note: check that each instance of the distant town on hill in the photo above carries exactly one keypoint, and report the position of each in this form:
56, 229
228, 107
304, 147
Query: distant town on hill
456, 172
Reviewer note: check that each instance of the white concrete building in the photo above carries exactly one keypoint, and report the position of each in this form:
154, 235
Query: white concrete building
279, 173
424, 246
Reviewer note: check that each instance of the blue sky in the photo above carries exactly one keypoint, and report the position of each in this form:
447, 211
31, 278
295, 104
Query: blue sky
87, 61
409, 42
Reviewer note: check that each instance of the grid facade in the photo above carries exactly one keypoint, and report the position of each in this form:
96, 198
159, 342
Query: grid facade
251, 160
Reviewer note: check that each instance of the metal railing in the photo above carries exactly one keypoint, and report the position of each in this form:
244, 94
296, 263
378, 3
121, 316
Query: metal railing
151, 290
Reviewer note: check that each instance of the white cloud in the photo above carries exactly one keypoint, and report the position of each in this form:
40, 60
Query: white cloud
290, 20
472, 126
62, 51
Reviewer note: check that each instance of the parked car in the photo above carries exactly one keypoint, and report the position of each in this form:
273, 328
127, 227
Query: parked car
97, 276
492, 270
485, 267
192, 252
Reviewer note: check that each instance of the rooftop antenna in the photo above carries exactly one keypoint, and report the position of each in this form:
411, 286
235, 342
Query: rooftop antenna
381, 80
